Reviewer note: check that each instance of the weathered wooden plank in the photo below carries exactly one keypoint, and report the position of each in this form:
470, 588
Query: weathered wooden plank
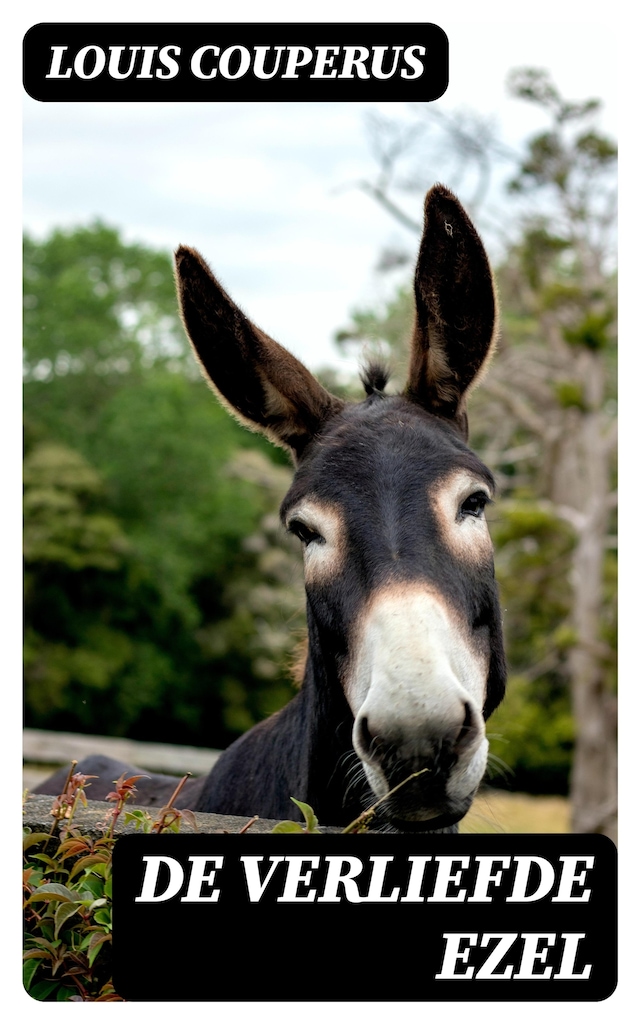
37, 817
58, 748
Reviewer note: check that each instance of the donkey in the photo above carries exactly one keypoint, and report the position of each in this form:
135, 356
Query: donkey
405, 653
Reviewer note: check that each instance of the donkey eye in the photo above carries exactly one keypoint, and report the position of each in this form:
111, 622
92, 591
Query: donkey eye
304, 532
475, 504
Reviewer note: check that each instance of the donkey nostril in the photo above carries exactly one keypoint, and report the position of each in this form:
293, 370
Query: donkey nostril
468, 730
364, 736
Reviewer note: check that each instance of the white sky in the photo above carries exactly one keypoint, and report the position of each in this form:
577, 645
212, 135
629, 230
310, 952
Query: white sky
267, 191
295, 249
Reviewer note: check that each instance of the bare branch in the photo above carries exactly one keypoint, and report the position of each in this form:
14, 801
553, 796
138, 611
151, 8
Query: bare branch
520, 409
380, 195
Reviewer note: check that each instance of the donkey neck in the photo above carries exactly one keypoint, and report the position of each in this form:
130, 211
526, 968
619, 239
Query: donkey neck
328, 760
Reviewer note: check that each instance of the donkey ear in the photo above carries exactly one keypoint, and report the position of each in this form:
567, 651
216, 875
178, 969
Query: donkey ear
455, 310
266, 387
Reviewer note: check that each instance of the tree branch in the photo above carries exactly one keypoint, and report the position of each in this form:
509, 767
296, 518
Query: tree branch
381, 197
520, 409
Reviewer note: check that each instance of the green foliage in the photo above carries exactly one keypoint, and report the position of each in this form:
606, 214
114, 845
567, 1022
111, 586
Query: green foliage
535, 85
67, 913
310, 820
67, 893
570, 393
553, 158
532, 730
536, 250
137, 517
592, 332
532, 733
96, 311
62, 521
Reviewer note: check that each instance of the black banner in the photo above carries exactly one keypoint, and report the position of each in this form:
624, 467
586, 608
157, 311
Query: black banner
207, 62
373, 917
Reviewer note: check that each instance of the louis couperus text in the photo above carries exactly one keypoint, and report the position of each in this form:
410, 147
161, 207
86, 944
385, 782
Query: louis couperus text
209, 62
236, 61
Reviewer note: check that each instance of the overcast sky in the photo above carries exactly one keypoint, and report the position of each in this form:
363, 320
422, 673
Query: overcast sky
269, 193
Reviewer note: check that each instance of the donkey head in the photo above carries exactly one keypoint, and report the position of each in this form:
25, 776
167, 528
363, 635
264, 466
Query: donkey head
388, 501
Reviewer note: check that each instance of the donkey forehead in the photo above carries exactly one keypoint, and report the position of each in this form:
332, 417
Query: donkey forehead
382, 452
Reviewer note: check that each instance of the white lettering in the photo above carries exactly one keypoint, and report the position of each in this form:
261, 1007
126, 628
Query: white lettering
115, 53
147, 61
298, 57
378, 57
568, 878
335, 878
56, 63
258, 64
547, 877
255, 886
245, 61
531, 953
100, 60
170, 63
505, 942
484, 878
296, 878
354, 58
198, 878
416, 878
569, 953
377, 881
453, 953
413, 62
196, 62
176, 877
324, 59
444, 878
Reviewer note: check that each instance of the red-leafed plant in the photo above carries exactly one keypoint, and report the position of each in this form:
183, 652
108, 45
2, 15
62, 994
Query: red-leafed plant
67, 894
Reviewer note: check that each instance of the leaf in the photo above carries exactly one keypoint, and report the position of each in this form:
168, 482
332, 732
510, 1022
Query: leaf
96, 945
72, 848
64, 994
288, 826
37, 954
308, 814
52, 891
29, 969
92, 885
95, 861
45, 944
142, 819
43, 988
190, 818
48, 862
64, 911
33, 838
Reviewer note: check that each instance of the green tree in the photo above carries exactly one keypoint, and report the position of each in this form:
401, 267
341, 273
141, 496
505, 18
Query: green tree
562, 272
136, 518
96, 311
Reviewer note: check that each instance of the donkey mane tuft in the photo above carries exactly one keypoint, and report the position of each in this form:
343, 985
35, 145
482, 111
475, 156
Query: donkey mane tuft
375, 377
